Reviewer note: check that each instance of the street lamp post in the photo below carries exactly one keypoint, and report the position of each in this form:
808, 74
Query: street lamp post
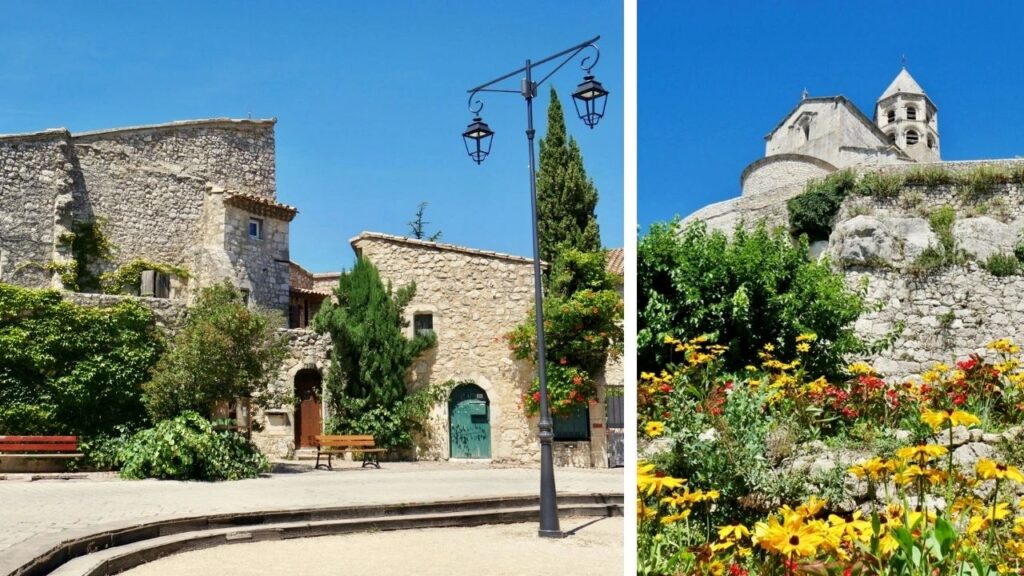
477, 138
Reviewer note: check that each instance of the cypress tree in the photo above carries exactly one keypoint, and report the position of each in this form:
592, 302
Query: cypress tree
370, 354
566, 198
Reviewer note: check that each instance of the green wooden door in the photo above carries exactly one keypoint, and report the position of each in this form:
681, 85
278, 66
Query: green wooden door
469, 420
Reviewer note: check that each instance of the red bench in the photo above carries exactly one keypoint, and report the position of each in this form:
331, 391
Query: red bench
38, 448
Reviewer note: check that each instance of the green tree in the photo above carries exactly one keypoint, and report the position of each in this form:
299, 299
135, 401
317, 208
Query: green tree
370, 355
566, 198
755, 289
418, 226
224, 351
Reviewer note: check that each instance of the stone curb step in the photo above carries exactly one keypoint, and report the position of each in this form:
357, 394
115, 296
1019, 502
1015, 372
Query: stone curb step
156, 539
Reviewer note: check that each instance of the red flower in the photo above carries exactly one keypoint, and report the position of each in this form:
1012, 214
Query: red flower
577, 379
563, 361
665, 388
967, 365
536, 396
666, 415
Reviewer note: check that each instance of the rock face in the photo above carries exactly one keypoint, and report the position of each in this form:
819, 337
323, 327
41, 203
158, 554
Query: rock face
983, 236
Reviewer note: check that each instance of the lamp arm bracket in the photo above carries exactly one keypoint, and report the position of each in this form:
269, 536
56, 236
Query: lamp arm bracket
569, 54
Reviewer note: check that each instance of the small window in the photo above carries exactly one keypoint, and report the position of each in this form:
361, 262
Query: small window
891, 116
423, 324
256, 228
892, 138
911, 113
572, 426
912, 137
931, 141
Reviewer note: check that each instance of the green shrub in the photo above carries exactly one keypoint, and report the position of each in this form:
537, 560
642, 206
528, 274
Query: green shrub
941, 222
1018, 251
929, 176
1016, 173
981, 181
69, 369
756, 289
1002, 264
947, 253
128, 278
224, 351
879, 185
814, 211
188, 448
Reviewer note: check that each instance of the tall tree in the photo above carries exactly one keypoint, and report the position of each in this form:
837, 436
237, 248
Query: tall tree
566, 198
370, 356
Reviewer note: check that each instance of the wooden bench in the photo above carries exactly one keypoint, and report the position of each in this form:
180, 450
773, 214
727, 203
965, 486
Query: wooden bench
337, 444
39, 447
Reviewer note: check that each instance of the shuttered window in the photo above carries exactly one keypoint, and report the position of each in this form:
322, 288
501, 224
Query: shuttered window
574, 425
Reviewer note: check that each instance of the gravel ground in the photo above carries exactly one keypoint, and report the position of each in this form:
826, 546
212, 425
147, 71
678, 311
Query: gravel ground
496, 550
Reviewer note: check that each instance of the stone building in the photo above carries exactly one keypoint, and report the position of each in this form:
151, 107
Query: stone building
945, 313
201, 196
823, 134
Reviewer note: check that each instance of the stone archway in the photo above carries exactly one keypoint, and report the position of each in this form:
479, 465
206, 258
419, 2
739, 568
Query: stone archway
308, 420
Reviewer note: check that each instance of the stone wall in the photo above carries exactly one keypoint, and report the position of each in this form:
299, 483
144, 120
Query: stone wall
260, 265
169, 314
274, 428
35, 206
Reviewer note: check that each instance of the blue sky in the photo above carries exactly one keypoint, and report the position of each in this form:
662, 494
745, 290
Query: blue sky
369, 96
714, 78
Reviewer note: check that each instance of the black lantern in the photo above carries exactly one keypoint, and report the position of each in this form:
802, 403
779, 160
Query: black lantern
480, 134
593, 97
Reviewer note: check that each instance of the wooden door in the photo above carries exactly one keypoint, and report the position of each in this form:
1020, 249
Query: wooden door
469, 422
307, 415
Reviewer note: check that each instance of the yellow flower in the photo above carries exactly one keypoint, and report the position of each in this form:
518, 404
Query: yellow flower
1004, 345
811, 508
989, 469
803, 347
673, 518
861, 369
922, 453
647, 479
936, 418
769, 347
733, 532
980, 523
654, 428
874, 468
807, 337
789, 537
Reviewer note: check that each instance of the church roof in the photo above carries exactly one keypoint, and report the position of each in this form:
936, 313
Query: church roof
903, 83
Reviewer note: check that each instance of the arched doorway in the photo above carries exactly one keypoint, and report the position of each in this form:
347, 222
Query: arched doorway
469, 422
307, 413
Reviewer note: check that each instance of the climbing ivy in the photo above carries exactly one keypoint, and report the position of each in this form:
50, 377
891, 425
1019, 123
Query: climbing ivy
89, 246
70, 369
128, 277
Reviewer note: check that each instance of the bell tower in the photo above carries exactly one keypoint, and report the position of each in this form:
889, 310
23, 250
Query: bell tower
909, 119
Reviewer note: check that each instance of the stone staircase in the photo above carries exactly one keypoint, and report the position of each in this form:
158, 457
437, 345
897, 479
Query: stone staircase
115, 551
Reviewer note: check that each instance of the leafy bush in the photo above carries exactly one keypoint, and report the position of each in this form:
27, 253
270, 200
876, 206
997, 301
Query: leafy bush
69, 369
879, 185
128, 278
1002, 264
224, 351
947, 253
754, 290
814, 211
394, 426
188, 448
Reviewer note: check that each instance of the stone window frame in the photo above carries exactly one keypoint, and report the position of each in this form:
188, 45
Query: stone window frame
890, 116
930, 140
911, 112
417, 310
260, 225
912, 137
892, 138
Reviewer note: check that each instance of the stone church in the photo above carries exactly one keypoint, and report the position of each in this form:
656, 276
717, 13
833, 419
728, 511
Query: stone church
821, 135
201, 196
933, 312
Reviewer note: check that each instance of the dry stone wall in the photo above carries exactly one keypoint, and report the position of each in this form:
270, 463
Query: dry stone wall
35, 206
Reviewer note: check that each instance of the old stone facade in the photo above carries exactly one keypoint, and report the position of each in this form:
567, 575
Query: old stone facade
183, 194
945, 313
472, 298
202, 196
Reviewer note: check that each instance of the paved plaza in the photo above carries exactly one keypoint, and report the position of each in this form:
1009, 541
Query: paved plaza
35, 516
594, 549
